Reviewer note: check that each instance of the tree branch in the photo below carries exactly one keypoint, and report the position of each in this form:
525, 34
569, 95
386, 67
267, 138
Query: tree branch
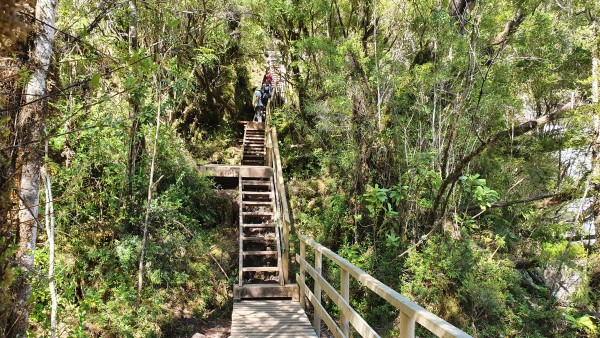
509, 29
554, 199
494, 139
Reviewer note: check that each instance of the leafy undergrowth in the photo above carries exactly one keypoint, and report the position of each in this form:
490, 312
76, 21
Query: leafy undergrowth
191, 254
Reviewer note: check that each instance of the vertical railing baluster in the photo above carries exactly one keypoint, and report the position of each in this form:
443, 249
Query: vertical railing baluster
407, 326
345, 292
241, 220
319, 268
302, 271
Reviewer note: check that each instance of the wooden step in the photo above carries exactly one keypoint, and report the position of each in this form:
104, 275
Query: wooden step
258, 193
257, 226
257, 213
256, 203
248, 291
257, 188
261, 269
257, 198
259, 253
245, 183
258, 239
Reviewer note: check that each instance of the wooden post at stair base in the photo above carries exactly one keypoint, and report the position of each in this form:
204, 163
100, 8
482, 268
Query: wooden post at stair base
302, 273
317, 290
407, 326
345, 292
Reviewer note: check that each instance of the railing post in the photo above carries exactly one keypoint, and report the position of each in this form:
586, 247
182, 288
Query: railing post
268, 148
241, 244
317, 291
345, 292
407, 326
286, 250
302, 272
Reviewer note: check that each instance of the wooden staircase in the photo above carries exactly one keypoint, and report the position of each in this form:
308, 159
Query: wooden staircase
254, 144
260, 262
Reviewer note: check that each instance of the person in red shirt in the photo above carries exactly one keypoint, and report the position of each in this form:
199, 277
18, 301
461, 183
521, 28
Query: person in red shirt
268, 78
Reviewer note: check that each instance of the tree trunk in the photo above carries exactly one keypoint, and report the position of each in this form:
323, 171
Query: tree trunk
151, 186
49, 222
596, 141
31, 126
136, 141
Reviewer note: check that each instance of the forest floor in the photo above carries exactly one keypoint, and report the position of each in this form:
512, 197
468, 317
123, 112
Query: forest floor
213, 327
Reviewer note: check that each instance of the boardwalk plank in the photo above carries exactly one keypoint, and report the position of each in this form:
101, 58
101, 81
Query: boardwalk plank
270, 318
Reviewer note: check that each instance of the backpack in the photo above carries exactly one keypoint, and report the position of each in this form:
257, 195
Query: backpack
266, 92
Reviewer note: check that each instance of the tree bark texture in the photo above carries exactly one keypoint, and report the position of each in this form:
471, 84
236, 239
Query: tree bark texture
596, 140
31, 128
49, 223
136, 140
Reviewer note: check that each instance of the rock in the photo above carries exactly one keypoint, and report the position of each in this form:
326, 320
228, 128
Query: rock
199, 335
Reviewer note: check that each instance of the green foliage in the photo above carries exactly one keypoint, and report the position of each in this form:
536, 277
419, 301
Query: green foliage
477, 191
583, 323
403, 197
98, 261
460, 281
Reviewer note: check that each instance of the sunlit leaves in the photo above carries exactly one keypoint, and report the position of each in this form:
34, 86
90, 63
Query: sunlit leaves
95, 80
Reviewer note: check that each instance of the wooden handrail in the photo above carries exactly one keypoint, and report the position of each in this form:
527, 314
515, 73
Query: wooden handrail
410, 312
273, 159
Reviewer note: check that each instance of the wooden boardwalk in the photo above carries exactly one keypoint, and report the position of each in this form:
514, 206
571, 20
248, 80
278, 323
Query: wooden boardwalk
270, 318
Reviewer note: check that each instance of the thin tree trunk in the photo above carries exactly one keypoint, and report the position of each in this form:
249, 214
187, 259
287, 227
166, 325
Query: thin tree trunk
50, 233
376, 65
133, 24
149, 200
49, 222
31, 127
596, 142
136, 141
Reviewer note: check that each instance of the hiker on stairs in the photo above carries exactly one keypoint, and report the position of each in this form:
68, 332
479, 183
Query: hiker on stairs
266, 91
259, 107
267, 78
